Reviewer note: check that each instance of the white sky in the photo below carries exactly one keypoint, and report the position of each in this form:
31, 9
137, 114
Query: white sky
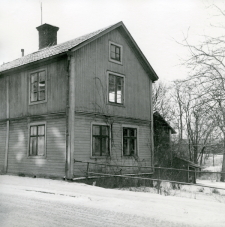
154, 24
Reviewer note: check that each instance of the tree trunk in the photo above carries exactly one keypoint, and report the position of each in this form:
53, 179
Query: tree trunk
223, 164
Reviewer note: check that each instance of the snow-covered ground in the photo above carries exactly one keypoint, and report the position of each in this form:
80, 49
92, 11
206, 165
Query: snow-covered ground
165, 210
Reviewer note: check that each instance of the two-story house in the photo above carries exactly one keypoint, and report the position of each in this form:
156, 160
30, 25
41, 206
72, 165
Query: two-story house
87, 99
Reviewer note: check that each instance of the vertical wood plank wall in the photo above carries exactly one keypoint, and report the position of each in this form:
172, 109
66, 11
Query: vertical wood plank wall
91, 90
93, 63
19, 91
2, 145
83, 143
53, 164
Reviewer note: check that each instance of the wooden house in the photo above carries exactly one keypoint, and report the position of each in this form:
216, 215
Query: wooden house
87, 99
162, 141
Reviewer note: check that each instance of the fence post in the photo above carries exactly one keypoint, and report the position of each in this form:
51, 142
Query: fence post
159, 180
87, 174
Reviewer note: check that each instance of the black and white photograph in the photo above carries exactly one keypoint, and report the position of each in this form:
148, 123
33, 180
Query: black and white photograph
112, 113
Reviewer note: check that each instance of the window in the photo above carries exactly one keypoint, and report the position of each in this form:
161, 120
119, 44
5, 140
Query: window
38, 87
116, 88
100, 140
129, 141
115, 52
37, 140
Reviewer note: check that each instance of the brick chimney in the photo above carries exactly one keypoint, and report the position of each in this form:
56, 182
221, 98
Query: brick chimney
47, 35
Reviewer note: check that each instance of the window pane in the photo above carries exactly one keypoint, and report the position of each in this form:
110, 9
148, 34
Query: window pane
105, 146
33, 78
96, 130
105, 130
117, 50
133, 132
119, 89
132, 146
33, 130
96, 146
113, 55
41, 145
112, 88
33, 96
113, 48
33, 145
41, 81
41, 95
125, 132
41, 130
125, 147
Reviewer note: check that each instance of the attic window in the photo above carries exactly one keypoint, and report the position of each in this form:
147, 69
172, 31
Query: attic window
38, 87
115, 52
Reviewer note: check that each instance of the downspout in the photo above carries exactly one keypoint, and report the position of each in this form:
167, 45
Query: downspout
7, 126
151, 126
67, 111
70, 115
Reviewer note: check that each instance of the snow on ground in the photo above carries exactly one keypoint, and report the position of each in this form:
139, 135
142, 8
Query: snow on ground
183, 211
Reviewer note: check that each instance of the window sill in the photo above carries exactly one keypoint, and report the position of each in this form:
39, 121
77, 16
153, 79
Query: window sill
117, 62
36, 157
38, 102
129, 156
99, 157
116, 104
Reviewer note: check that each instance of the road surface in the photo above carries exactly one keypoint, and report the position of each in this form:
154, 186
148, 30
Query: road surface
41, 202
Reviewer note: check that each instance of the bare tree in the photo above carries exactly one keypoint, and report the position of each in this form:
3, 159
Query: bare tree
207, 71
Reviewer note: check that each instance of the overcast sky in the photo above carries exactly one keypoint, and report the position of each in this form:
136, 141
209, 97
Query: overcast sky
155, 25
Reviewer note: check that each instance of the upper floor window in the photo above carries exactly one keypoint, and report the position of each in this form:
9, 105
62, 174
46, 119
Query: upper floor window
100, 140
115, 52
38, 87
37, 139
116, 88
129, 141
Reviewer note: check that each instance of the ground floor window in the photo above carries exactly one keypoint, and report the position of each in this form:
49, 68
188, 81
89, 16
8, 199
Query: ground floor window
100, 140
129, 141
37, 140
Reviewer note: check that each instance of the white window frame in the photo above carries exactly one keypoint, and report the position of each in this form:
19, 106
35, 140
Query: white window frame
28, 147
121, 53
46, 85
105, 124
137, 128
115, 103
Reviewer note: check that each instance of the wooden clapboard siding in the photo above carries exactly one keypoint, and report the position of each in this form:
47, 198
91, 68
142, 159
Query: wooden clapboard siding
19, 90
52, 165
2, 145
83, 143
3, 98
92, 61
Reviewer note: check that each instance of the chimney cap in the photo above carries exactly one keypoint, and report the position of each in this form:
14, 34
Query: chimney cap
43, 26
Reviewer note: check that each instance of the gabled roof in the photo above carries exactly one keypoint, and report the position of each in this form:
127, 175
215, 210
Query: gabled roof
72, 45
157, 115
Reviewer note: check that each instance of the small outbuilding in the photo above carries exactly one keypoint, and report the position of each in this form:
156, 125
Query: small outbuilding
162, 141
190, 172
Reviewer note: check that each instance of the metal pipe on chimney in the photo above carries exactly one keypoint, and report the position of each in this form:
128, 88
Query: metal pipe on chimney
22, 51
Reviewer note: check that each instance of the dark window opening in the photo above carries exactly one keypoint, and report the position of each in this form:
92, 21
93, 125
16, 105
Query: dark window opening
100, 140
115, 52
37, 140
129, 141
